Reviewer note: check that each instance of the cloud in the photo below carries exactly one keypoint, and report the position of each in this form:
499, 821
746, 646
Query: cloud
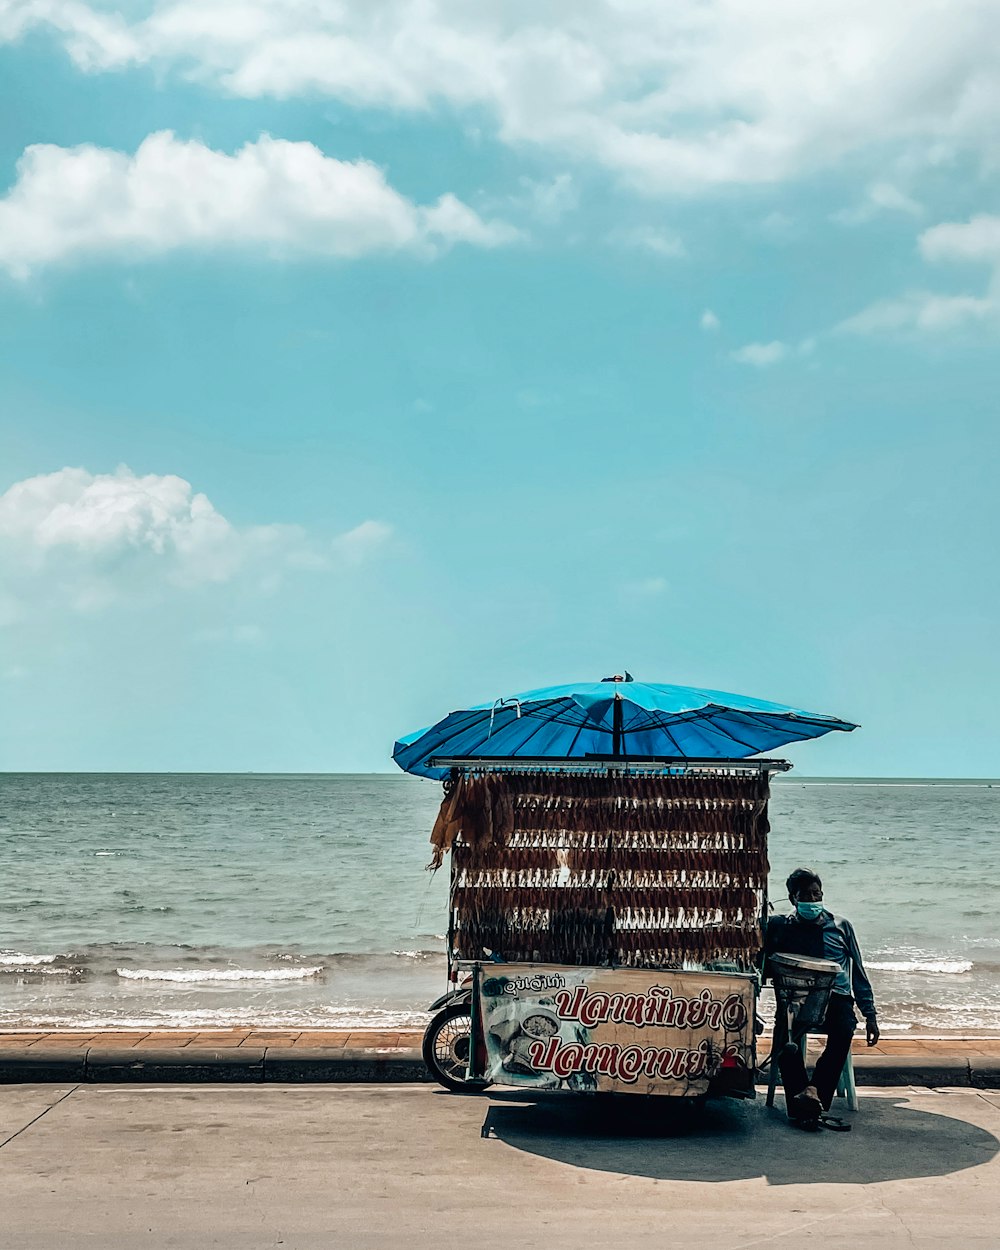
881, 197
760, 355
919, 310
975, 240
650, 239
113, 519
709, 321
547, 200
89, 540
359, 544
672, 98
280, 197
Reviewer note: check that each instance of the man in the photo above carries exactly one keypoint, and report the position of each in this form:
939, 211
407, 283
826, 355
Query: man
816, 933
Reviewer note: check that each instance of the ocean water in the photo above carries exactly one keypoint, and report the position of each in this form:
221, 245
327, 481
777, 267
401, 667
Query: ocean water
177, 900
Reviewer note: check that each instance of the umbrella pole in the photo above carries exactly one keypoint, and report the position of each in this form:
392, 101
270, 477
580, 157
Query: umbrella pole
616, 727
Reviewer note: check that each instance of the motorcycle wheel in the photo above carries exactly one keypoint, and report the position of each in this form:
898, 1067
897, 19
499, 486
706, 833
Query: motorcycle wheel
446, 1050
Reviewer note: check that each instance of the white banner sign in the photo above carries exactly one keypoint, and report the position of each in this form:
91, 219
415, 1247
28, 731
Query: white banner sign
614, 1030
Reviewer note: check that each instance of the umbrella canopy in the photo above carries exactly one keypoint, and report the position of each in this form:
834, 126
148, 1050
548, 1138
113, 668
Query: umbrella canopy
616, 717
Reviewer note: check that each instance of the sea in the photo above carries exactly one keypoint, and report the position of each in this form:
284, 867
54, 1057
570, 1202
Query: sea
301, 901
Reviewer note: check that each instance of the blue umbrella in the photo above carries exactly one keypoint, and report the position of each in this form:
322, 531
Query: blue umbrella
618, 718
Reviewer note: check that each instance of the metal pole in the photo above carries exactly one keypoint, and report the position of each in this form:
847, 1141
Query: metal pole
616, 727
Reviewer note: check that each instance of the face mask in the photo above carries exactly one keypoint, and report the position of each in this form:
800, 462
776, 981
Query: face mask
809, 911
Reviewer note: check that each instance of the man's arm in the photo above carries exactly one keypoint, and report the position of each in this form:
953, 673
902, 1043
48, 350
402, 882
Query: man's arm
861, 986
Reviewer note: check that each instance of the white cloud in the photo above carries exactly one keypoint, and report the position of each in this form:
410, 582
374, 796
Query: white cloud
650, 239
881, 197
974, 240
931, 312
109, 519
760, 355
547, 200
90, 539
672, 97
286, 198
919, 310
709, 321
362, 542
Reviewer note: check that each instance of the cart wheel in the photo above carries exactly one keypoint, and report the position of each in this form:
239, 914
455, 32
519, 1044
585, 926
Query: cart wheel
446, 1050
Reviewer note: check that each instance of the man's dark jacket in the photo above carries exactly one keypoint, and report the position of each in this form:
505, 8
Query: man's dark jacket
788, 935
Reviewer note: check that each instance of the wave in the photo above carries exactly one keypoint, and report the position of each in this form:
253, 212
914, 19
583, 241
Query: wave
199, 975
14, 959
944, 967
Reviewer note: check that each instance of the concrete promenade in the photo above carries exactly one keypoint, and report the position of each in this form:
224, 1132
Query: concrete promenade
376, 1167
345, 1056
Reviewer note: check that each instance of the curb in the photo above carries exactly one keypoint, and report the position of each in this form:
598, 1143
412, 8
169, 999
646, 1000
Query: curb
179, 1063
337, 1065
247, 1065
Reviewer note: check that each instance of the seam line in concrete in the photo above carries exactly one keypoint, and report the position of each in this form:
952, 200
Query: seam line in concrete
24, 1127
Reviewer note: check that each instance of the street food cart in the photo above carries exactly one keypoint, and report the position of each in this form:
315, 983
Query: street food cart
608, 848
606, 919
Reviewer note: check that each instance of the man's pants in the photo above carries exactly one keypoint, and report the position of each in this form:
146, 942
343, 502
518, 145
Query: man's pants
839, 1027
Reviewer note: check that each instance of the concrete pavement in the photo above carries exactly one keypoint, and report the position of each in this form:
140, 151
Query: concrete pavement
360, 1167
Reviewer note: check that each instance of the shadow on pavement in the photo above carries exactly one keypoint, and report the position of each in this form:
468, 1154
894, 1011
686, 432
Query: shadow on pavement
729, 1141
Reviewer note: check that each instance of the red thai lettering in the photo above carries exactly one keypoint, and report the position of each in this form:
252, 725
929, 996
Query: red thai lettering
734, 1012
568, 1003
542, 1054
567, 1060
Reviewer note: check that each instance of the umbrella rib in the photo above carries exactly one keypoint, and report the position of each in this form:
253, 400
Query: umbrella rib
749, 746
538, 728
576, 738
766, 719
456, 731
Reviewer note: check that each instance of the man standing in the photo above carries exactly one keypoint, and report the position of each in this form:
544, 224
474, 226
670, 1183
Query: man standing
814, 932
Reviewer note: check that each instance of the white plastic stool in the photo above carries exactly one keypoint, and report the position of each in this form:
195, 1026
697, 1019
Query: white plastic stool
846, 1087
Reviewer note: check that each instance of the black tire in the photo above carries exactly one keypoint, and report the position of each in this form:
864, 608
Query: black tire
446, 1049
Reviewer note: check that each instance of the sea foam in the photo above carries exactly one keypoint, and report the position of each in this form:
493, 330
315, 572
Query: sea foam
195, 975
947, 967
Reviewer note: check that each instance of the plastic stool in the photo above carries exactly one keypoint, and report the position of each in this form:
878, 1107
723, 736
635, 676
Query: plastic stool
846, 1087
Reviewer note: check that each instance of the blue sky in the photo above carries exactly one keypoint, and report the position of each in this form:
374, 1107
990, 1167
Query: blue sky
357, 363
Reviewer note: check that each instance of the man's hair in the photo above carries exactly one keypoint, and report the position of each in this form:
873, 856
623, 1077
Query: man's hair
801, 878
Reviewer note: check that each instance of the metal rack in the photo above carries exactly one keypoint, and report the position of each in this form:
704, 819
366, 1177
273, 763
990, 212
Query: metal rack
617, 764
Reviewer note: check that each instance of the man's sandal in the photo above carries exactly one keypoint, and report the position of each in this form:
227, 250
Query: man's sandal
806, 1106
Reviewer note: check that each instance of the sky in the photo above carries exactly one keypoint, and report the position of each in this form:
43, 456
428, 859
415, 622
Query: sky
359, 362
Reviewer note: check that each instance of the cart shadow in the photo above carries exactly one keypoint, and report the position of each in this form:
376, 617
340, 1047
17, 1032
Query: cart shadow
730, 1141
